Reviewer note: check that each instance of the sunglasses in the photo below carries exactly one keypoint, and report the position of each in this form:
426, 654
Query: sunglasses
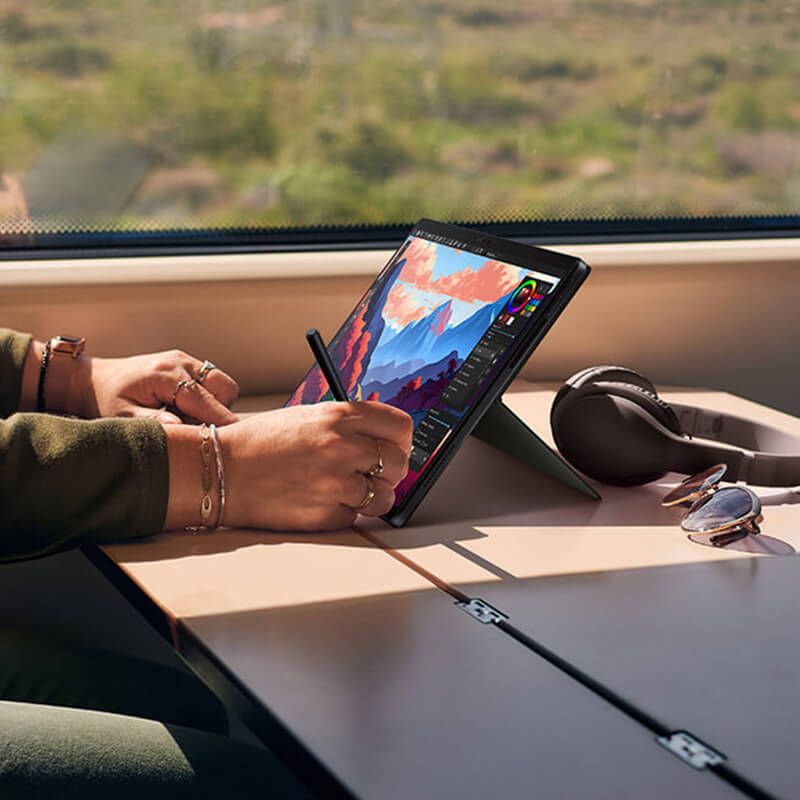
728, 514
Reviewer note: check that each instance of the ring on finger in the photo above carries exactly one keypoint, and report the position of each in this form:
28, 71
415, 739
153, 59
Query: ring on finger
369, 495
377, 468
204, 370
185, 384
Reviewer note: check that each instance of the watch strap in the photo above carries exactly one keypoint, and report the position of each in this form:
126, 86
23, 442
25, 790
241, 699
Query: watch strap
40, 405
58, 361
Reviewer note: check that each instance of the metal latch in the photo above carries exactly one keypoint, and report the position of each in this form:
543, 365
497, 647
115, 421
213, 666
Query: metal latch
691, 750
482, 611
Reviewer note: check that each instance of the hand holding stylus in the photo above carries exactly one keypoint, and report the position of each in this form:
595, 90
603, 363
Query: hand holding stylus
308, 467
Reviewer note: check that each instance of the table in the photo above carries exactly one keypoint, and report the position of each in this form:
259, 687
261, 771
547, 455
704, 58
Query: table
348, 654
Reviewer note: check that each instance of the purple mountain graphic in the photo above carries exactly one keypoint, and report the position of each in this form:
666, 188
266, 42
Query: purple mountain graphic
392, 387
388, 372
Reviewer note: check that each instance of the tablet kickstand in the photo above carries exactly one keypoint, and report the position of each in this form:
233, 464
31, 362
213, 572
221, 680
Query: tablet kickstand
502, 428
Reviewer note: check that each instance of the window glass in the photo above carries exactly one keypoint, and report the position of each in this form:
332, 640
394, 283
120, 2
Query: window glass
147, 119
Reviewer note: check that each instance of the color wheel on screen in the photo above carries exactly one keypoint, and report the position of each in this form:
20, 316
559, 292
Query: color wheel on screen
524, 293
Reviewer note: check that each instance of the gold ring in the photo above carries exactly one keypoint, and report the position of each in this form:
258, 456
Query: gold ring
368, 496
181, 385
204, 370
376, 469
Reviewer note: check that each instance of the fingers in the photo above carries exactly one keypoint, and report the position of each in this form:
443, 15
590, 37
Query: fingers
161, 414
197, 390
379, 492
334, 520
382, 459
220, 384
197, 402
379, 421
374, 440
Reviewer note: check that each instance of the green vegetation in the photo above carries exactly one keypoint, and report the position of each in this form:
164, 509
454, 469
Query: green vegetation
338, 112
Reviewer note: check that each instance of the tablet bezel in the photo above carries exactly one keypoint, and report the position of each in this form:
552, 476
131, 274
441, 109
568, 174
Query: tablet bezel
571, 272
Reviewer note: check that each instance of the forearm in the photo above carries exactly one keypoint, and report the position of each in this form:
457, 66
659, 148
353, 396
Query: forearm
30, 377
14, 348
65, 483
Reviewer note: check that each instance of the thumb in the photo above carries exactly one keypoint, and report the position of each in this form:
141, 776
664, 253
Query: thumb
198, 403
161, 414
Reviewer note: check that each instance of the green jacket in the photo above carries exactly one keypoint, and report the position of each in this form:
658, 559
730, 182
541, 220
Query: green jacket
69, 482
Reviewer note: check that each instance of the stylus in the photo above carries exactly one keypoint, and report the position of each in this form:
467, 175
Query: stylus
326, 364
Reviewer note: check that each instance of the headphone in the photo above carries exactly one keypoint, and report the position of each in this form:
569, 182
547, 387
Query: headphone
610, 423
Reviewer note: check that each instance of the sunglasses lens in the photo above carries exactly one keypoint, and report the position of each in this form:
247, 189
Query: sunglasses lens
694, 485
725, 507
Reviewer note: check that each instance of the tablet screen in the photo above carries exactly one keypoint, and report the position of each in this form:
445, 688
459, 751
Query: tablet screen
432, 330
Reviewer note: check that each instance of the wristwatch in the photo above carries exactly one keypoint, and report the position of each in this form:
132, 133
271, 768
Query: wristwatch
58, 361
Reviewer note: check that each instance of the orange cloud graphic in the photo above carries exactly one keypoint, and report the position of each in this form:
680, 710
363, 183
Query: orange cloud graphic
486, 284
418, 269
402, 307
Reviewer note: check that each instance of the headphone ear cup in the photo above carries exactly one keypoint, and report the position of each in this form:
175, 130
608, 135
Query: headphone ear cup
650, 401
615, 432
603, 373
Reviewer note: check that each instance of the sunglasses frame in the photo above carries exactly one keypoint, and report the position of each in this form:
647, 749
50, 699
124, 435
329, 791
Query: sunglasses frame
701, 493
730, 531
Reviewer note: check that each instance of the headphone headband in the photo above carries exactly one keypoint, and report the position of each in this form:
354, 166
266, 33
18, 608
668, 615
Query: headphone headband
769, 456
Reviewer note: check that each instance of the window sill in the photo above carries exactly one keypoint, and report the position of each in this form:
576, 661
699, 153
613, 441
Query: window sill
282, 266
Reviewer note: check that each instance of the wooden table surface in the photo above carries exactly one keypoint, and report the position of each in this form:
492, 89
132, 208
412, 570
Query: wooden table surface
296, 620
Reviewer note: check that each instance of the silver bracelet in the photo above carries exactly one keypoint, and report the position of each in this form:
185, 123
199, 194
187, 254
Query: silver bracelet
220, 474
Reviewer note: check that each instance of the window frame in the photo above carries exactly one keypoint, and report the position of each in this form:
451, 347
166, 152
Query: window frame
129, 244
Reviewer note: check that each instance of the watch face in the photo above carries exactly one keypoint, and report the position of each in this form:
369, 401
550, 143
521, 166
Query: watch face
71, 345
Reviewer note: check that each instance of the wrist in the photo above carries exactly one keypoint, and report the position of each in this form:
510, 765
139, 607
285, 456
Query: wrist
64, 372
185, 490
30, 376
78, 394
198, 479
235, 513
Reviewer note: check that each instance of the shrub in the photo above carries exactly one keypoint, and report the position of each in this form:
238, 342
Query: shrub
14, 27
740, 107
375, 152
73, 60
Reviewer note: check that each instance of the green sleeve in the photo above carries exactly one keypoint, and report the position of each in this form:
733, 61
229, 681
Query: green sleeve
69, 482
13, 349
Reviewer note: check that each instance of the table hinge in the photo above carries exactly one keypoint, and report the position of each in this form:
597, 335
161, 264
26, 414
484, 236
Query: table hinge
482, 611
691, 750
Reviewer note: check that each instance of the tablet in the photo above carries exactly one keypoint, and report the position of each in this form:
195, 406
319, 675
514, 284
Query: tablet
442, 331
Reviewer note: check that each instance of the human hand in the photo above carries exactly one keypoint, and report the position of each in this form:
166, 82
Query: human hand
298, 468
142, 387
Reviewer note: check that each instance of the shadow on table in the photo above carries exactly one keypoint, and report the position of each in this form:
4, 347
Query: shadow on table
482, 487
761, 544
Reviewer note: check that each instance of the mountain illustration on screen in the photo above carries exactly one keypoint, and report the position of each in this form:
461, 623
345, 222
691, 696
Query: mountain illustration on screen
390, 371
416, 395
405, 374
378, 362
429, 338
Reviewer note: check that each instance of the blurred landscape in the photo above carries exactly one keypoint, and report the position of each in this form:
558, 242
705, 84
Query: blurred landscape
159, 114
